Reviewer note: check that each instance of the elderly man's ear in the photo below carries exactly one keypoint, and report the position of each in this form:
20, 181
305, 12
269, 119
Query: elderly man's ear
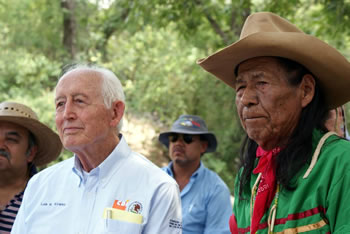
117, 110
307, 87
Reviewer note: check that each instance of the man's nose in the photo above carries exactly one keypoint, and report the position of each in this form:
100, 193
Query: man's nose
249, 97
2, 142
69, 111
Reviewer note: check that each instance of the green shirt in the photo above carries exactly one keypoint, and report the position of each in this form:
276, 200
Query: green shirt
320, 203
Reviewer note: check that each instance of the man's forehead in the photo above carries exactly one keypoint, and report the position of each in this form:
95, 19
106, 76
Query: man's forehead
258, 62
81, 74
257, 67
79, 82
252, 73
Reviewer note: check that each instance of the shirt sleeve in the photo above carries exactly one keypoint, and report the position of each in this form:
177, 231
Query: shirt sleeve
219, 210
165, 213
338, 210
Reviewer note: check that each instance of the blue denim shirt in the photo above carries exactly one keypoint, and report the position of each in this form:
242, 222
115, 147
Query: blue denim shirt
206, 205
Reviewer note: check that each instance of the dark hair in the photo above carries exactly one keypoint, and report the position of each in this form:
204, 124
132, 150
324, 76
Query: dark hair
31, 142
298, 151
203, 138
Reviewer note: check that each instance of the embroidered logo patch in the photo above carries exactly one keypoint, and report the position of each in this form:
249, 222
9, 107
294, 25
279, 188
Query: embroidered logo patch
120, 205
135, 207
190, 123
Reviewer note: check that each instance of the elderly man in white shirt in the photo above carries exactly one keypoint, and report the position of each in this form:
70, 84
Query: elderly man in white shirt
105, 187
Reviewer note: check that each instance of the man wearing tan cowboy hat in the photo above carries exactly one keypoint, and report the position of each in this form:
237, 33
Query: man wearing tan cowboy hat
205, 198
295, 175
24, 143
105, 187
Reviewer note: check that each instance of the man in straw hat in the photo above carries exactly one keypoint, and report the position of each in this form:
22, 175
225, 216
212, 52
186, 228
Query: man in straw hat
295, 175
205, 198
25, 142
105, 187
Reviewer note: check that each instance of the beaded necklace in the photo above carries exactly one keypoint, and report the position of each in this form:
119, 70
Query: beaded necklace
272, 215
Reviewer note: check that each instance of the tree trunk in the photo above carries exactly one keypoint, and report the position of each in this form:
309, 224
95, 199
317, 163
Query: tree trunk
69, 27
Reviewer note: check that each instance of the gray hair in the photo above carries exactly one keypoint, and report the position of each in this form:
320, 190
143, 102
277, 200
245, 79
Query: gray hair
112, 89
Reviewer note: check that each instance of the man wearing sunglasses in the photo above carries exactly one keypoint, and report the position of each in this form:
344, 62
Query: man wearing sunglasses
205, 198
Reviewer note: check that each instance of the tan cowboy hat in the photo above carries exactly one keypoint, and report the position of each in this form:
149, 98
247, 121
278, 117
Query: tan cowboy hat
49, 144
267, 34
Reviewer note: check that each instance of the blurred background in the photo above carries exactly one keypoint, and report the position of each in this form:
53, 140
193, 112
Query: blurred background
152, 46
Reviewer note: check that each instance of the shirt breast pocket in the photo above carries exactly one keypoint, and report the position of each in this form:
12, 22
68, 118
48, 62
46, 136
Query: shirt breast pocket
120, 221
196, 214
117, 226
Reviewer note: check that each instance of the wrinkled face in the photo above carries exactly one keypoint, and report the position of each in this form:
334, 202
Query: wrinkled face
82, 119
184, 154
268, 106
13, 148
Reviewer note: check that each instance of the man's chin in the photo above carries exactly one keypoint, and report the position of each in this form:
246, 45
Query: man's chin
259, 136
180, 161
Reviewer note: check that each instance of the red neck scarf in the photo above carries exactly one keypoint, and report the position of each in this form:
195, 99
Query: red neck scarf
267, 186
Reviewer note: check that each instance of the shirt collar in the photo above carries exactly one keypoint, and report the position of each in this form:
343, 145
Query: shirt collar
109, 166
169, 170
199, 171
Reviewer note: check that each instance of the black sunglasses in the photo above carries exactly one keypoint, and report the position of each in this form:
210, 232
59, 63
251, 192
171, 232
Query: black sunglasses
188, 139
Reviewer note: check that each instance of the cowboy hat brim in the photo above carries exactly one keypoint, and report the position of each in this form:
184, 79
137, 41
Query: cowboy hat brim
328, 66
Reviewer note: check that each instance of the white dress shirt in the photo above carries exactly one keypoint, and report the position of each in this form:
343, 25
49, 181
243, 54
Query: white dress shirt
65, 199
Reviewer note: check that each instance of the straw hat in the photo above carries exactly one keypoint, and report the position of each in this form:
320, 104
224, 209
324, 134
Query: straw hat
190, 124
49, 144
267, 34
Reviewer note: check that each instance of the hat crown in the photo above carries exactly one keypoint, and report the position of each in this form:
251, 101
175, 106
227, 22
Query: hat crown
191, 123
267, 22
16, 110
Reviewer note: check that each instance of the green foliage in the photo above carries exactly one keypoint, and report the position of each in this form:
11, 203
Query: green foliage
155, 65
32, 25
20, 72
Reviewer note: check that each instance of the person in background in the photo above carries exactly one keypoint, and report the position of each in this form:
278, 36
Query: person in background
105, 187
295, 174
336, 121
25, 143
205, 198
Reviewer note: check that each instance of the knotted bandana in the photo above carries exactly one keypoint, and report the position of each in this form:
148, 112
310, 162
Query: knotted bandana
267, 186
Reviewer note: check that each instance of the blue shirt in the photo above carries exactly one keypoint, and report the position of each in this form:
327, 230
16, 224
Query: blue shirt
206, 204
65, 199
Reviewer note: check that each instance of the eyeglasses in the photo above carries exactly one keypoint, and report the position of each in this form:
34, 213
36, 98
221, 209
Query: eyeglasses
188, 139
